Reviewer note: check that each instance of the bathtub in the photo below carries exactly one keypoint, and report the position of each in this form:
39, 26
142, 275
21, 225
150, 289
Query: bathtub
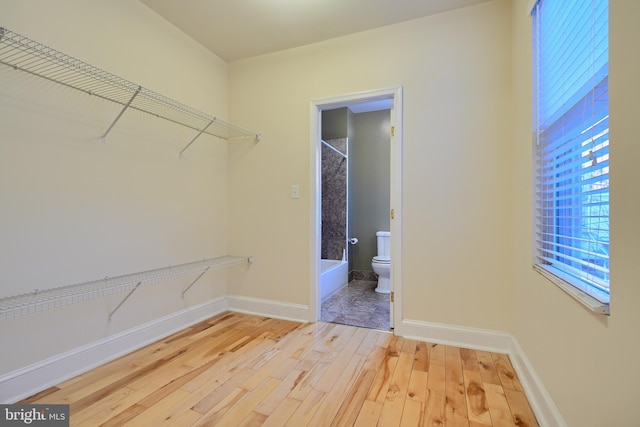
333, 277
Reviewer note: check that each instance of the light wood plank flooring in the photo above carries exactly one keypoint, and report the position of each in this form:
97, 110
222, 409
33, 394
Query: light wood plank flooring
242, 370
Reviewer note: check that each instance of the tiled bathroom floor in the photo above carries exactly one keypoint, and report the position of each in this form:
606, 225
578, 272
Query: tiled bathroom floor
358, 304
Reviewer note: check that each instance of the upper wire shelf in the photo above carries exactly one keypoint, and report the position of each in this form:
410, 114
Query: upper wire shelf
34, 302
30, 56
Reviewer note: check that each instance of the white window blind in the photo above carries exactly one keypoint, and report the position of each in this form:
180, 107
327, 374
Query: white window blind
572, 146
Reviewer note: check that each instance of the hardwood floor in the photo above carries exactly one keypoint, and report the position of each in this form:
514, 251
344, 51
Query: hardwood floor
242, 370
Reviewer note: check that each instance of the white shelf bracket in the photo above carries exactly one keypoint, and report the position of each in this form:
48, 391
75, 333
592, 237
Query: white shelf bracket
104, 136
197, 136
125, 298
194, 282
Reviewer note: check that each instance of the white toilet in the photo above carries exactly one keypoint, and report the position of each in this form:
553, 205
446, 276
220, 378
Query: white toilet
381, 263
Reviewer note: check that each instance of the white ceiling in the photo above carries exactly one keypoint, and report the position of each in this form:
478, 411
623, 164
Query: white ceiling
235, 29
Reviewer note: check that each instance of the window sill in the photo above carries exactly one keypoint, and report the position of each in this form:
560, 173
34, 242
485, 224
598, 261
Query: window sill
564, 282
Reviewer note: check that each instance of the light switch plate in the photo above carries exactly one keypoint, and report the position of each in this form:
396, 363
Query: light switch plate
295, 191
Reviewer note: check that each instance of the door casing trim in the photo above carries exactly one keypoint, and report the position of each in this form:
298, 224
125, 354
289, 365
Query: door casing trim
317, 106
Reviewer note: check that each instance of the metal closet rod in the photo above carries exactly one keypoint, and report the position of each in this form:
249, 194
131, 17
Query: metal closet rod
333, 148
35, 58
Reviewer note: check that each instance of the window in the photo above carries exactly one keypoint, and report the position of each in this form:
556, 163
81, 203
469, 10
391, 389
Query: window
571, 67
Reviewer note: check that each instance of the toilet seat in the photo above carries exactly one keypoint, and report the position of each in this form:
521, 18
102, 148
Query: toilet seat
381, 260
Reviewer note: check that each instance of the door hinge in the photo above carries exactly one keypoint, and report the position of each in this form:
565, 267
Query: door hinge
393, 214
392, 297
393, 131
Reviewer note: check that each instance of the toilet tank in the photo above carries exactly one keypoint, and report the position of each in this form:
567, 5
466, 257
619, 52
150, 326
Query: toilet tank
384, 244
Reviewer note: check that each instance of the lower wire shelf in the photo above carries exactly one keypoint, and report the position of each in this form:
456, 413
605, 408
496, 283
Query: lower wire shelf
41, 300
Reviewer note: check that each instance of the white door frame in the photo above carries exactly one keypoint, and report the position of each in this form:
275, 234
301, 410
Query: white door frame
315, 229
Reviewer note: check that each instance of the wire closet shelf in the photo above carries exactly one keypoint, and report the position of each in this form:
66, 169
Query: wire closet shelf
41, 300
30, 56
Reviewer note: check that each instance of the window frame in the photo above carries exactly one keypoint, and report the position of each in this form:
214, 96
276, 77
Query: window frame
590, 295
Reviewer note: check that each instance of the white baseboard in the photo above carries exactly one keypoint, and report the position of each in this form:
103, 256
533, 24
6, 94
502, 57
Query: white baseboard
539, 398
26, 381
477, 339
543, 406
270, 308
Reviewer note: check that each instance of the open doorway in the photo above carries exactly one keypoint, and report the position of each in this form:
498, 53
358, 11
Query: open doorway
355, 202
386, 102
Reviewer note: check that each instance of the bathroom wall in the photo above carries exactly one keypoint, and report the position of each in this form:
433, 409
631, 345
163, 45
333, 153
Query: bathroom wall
369, 180
334, 183
334, 199
335, 123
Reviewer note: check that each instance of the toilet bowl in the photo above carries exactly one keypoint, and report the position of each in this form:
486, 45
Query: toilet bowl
381, 263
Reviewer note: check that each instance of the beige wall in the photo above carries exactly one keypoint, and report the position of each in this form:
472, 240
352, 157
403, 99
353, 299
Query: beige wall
455, 71
74, 209
587, 362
